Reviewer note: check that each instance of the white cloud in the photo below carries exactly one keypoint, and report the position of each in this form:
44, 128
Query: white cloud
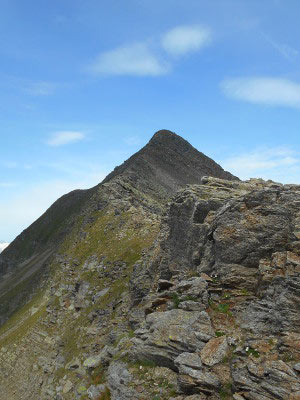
185, 39
65, 137
263, 90
135, 59
278, 164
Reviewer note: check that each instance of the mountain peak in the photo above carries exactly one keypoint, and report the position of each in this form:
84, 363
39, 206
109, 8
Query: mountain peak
167, 163
164, 136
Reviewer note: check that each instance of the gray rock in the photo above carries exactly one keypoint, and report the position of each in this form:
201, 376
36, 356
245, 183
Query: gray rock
94, 391
74, 364
119, 378
68, 386
191, 360
92, 361
99, 294
102, 358
171, 333
195, 381
192, 287
297, 367
191, 306
268, 380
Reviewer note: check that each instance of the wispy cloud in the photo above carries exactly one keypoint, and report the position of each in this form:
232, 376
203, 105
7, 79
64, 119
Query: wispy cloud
34, 88
7, 184
279, 164
134, 59
185, 39
133, 140
65, 137
263, 90
40, 88
9, 164
286, 51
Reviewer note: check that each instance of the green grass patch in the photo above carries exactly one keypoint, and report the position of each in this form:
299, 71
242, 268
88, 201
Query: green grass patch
252, 352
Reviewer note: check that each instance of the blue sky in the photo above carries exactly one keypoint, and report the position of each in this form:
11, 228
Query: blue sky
86, 83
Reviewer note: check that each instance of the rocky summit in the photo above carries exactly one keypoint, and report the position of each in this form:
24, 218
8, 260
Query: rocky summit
171, 279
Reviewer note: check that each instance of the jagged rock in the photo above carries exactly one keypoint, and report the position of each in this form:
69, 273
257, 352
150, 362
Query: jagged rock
163, 284
119, 378
297, 367
68, 386
94, 391
214, 351
190, 360
102, 358
192, 287
269, 380
195, 381
193, 378
191, 306
171, 333
237, 396
74, 364
100, 294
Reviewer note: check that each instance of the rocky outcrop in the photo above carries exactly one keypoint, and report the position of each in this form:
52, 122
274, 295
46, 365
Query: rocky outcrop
241, 238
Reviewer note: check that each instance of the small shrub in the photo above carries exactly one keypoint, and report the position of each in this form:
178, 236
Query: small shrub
220, 333
188, 298
223, 308
226, 296
244, 292
147, 364
226, 391
131, 333
175, 299
287, 357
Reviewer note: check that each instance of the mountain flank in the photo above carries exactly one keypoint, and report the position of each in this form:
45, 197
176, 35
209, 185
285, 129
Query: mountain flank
171, 280
166, 164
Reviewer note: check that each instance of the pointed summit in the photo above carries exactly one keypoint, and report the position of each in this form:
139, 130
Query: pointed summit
167, 163
166, 136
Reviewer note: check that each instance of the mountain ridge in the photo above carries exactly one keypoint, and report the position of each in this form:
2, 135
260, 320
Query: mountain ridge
144, 292
163, 166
